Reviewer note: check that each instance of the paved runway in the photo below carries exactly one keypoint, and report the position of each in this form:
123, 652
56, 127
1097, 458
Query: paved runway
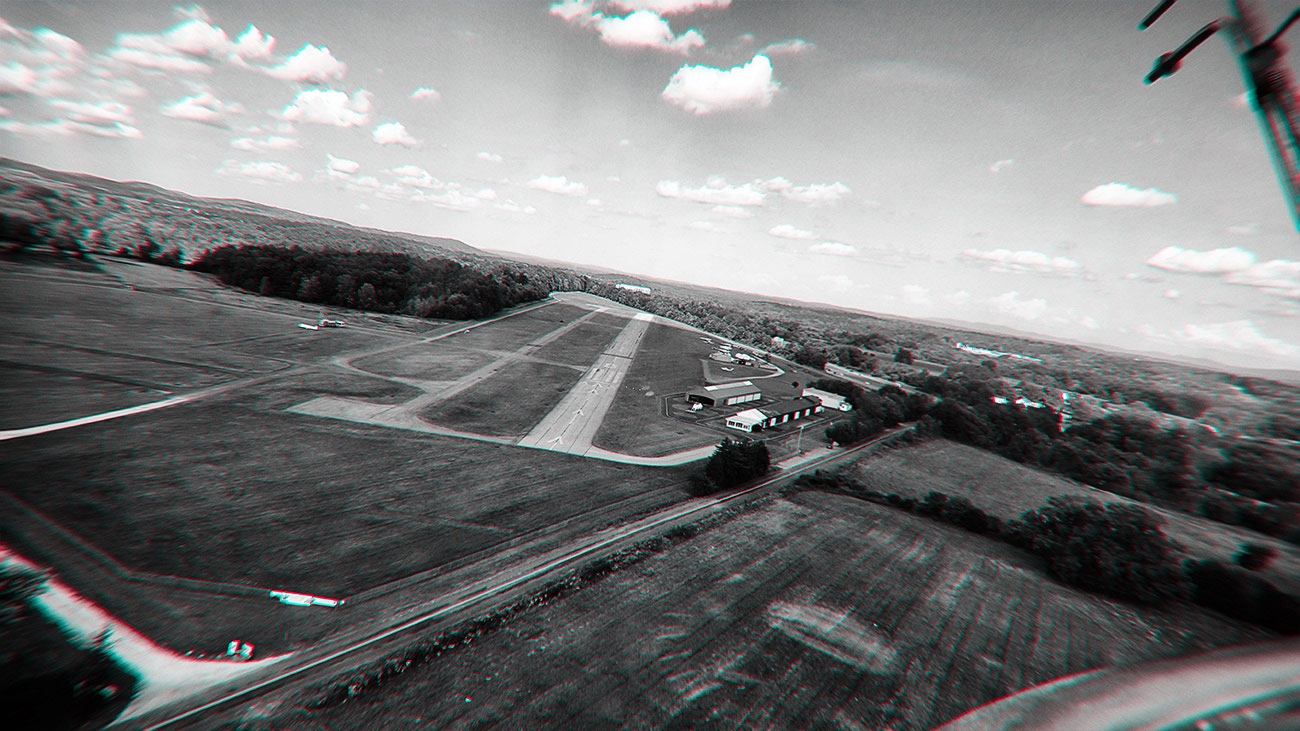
573, 423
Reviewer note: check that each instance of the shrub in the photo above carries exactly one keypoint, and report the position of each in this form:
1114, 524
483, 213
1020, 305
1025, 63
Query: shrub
1115, 549
1243, 595
1255, 556
731, 464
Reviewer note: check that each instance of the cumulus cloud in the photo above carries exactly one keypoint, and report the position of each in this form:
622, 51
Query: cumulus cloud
327, 106
705, 90
786, 231
558, 184
1238, 335
670, 7
1010, 303
425, 93
1021, 262
1190, 261
166, 62
916, 294
576, 12
311, 64
1276, 276
833, 248
341, 165
39, 62
16, 78
715, 192
68, 127
1122, 195
253, 45
490, 157
837, 282
645, 29
792, 47
1000, 164
204, 107
394, 133
260, 171
817, 194
733, 211
273, 142
707, 226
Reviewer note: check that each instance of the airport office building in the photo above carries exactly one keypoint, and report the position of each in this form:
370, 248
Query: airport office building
764, 417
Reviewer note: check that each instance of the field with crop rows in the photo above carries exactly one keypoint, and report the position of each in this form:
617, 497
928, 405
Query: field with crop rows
820, 611
1007, 489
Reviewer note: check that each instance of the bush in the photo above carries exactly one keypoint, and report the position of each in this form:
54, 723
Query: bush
1255, 556
731, 464
960, 512
1243, 595
1115, 549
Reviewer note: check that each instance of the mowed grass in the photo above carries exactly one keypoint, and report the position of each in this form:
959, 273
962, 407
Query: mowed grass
426, 361
508, 403
30, 397
668, 362
515, 332
820, 611
233, 489
1007, 489
581, 345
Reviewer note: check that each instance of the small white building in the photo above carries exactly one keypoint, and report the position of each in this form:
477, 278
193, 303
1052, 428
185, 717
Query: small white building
829, 400
747, 420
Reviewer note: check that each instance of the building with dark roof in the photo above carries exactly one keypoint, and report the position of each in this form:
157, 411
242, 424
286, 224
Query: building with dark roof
725, 394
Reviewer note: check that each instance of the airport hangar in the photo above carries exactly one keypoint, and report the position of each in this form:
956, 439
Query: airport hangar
725, 394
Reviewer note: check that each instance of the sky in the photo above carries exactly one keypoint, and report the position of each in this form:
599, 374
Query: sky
990, 162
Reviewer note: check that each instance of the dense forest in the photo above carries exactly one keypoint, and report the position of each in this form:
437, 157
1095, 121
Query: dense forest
400, 283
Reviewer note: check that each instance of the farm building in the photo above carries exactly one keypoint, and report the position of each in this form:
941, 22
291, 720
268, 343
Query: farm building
828, 400
778, 413
725, 394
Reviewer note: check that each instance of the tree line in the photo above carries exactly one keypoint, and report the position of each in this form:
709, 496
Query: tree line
392, 283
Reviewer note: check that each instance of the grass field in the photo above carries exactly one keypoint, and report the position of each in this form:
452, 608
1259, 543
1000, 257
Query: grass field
1007, 489
509, 403
30, 396
429, 362
816, 612
515, 332
581, 346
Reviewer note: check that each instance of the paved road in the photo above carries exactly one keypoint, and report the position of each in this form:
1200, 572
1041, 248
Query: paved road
1181, 693
573, 423
304, 670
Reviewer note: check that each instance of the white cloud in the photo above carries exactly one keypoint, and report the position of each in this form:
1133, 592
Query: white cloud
16, 78
1010, 303
1172, 294
1276, 276
1119, 194
715, 192
204, 107
311, 64
833, 248
394, 133
1244, 229
168, 62
102, 113
577, 12
792, 47
558, 184
670, 7
708, 226
261, 171
1021, 262
1238, 335
916, 294
341, 165
837, 282
1000, 164
1214, 261
253, 45
959, 298
645, 29
66, 127
786, 231
733, 211
426, 93
512, 207
817, 194
194, 37
273, 142
704, 90
490, 157
327, 106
